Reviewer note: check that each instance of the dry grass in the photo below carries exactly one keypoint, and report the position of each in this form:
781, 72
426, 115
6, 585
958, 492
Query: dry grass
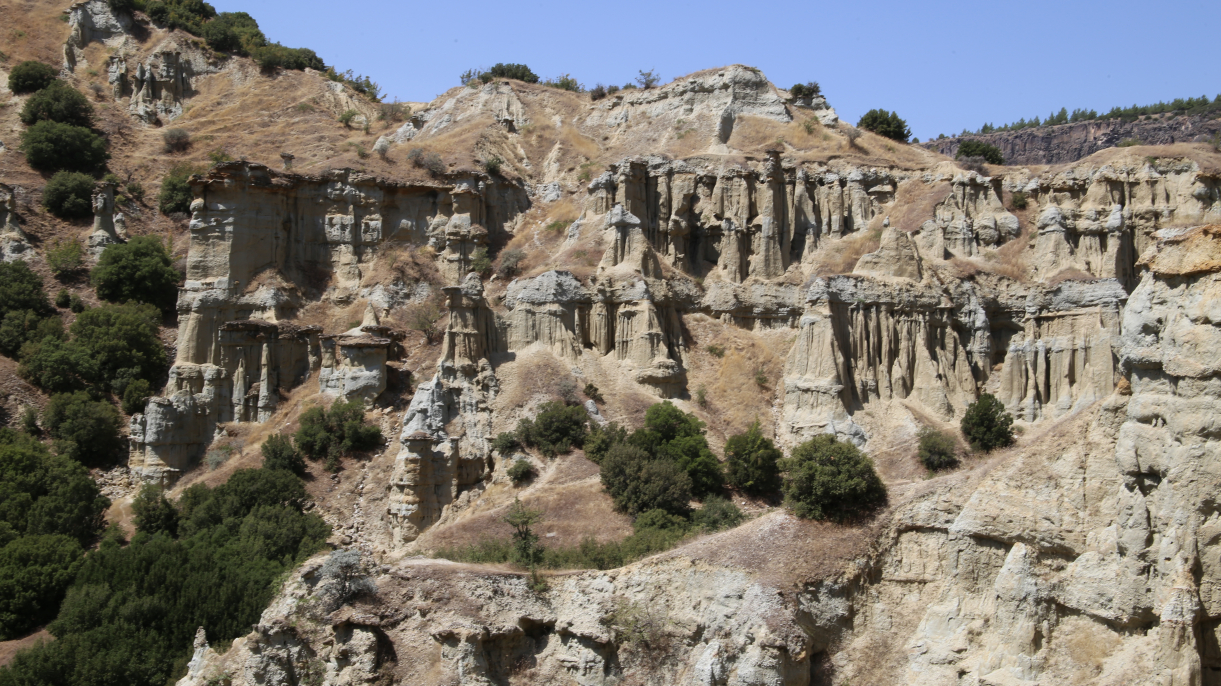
567, 490
916, 202
9, 649
533, 373
1069, 274
840, 256
400, 261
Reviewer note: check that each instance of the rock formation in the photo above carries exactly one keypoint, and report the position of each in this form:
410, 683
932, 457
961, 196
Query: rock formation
14, 244
1066, 143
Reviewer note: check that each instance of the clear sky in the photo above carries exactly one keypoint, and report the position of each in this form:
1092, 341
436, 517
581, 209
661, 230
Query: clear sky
942, 65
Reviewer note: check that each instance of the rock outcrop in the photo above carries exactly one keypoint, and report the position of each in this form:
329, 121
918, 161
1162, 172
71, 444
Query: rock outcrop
1066, 143
14, 244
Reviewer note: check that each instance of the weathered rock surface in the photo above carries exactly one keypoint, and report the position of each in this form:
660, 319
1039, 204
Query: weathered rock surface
1071, 142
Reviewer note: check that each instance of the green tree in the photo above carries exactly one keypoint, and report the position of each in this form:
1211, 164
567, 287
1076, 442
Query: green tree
556, 429
153, 512
50, 146
884, 123
57, 102
85, 430
117, 344
19, 326
21, 289
830, 479
936, 450
175, 194
521, 471
986, 425
34, 574
637, 482
64, 258
333, 433
602, 438
511, 71
140, 270
526, 550
750, 461
31, 76
136, 395
69, 195
717, 513
973, 148
677, 436
279, 453
41, 493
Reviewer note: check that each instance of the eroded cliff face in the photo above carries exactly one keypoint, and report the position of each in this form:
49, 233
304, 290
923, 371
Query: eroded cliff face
1086, 556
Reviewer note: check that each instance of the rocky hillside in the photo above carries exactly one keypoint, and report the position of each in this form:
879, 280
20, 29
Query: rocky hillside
1066, 143
713, 243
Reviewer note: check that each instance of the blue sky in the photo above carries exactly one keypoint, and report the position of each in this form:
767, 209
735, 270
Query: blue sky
942, 65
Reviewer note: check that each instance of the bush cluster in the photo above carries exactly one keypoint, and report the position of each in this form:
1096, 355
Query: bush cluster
750, 462
937, 450
50, 146
972, 148
31, 76
884, 123
51, 509
986, 425
830, 479
57, 102
69, 195
808, 89
140, 270
279, 453
176, 140
175, 195
131, 614
556, 429
84, 429
334, 433
111, 347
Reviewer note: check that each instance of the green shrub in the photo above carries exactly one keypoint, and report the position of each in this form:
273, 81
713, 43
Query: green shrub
158, 12
50, 146
35, 572
556, 429
76, 304
647, 79
492, 165
602, 438
526, 550
715, 350
973, 148
1018, 201
153, 512
510, 71
21, 326
717, 513
521, 471
505, 442
140, 270
676, 436
136, 191
565, 82
136, 395
333, 433
45, 493
63, 298
29, 420
31, 76
175, 194
597, 92
886, 124
347, 117
64, 259
805, 90
69, 195
132, 611
937, 450
750, 462
830, 479
591, 391
111, 346
480, 263
279, 453
85, 430
21, 289
986, 425
429, 161
58, 102
637, 482
275, 55
176, 140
